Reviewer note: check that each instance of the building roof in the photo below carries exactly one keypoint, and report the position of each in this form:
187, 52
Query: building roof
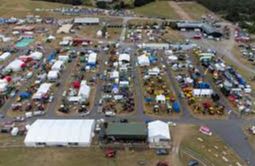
158, 128
128, 129
60, 131
205, 27
65, 28
86, 20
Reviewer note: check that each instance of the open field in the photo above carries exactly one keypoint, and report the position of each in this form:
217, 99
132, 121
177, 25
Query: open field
157, 9
63, 157
210, 149
172, 35
24, 7
194, 9
72, 156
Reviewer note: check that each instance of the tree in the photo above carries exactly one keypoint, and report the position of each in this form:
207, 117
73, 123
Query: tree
101, 4
142, 2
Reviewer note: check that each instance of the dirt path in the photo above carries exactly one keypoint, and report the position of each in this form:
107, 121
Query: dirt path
178, 134
182, 14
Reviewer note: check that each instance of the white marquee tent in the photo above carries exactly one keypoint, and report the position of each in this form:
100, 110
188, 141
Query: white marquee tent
143, 60
53, 75
158, 131
4, 56
15, 65
58, 65
36, 55
42, 90
84, 90
60, 132
124, 57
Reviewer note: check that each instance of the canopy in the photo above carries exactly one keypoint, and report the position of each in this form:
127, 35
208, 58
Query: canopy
124, 57
64, 132
84, 90
36, 55
158, 130
15, 65
76, 84
57, 65
5, 56
143, 60
42, 90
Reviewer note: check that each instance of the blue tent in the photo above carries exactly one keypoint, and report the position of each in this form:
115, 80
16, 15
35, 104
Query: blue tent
240, 79
176, 107
203, 85
115, 88
148, 99
153, 58
24, 95
51, 56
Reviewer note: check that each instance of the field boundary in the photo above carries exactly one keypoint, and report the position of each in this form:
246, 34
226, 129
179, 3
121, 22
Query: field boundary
195, 156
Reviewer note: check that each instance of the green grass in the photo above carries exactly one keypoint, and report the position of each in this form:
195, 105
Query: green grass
157, 9
206, 150
15, 154
23, 7
194, 9
72, 157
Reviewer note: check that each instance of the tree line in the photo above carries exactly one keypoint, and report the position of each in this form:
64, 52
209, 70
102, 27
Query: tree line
238, 11
117, 4
72, 2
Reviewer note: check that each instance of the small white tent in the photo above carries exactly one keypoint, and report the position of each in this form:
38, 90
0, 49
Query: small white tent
92, 59
84, 91
114, 74
154, 71
124, 57
58, 65
36, 55
4, 56
53, 75
3, 85
42, 90
160, 99
158, 131
99, 33
15, 65
143, 60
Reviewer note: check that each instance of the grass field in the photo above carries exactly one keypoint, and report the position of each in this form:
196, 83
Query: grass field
24, 7
194, 9
72, 156
157, 9
18, 155
210, 150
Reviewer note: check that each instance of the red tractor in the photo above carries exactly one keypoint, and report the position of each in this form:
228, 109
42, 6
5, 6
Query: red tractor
110, 153
162, 163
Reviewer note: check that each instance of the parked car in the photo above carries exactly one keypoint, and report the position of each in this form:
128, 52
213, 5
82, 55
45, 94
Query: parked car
205, 130
193, 163
162, 151
172, 124
20, 119
51, 99
109, 114
123, 121
1, 116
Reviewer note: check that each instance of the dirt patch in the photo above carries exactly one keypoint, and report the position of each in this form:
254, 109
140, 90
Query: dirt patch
182, 14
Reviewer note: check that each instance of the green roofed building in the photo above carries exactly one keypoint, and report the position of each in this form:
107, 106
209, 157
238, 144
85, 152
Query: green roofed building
127, 131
